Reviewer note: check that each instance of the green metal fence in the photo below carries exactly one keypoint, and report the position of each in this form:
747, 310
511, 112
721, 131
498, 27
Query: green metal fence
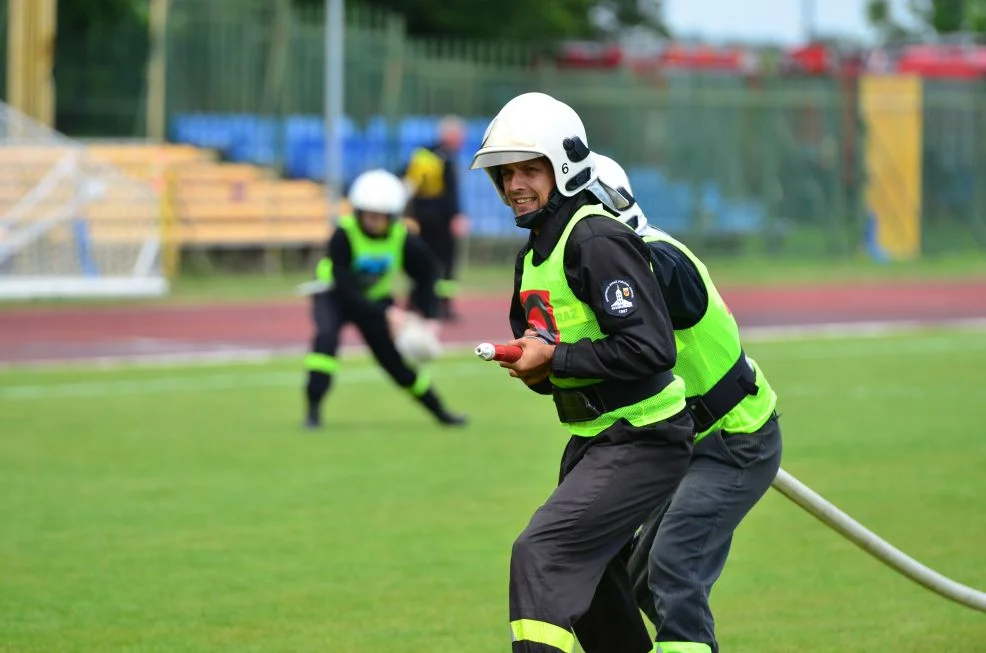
787, 152
953, 167
251, 56
781, 146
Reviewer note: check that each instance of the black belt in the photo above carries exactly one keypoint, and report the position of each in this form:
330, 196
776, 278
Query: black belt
589, 402
735, 385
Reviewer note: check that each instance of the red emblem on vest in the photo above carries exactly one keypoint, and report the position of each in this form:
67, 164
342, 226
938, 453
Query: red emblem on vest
540, 315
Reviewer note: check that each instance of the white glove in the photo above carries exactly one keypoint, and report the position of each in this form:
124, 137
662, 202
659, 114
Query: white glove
417, 339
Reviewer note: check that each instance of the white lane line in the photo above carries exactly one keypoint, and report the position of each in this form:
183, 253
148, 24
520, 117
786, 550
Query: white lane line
196, 383
930, 345
225, 353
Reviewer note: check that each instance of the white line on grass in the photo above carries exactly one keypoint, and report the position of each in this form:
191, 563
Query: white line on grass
195, 383
931, 345
176, 359
922, 346
846, 330
927, 345
789, 333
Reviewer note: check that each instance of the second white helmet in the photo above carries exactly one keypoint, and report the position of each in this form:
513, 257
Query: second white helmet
378, 191
612, 175
533, 125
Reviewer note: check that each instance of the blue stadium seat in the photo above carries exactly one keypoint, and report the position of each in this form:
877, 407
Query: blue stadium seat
203, 130
668, 205
182, 128
304, 137
255, 140
741, 216
489, 216
475, 128
300, 141
710, 198
377, 130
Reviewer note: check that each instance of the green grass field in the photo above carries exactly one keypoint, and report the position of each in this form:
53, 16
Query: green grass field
184, 510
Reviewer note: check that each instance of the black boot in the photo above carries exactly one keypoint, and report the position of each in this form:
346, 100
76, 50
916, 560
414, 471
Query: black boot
315, 391
453, 419
435, 407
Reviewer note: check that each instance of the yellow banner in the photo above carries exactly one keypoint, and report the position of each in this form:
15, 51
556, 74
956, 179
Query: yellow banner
892, 113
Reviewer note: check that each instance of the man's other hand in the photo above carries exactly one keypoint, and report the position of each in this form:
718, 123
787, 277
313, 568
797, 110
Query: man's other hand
534, 364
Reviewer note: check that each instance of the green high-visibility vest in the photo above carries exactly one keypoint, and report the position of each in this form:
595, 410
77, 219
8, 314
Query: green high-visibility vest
551, 306
375, 260
710, 348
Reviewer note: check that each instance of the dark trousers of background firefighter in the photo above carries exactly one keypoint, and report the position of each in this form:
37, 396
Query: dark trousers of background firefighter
566, 573
330, 316
682, 548
436, 231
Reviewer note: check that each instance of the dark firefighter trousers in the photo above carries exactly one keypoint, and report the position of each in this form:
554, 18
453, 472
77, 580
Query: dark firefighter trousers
436, 231
567, 578
682, 547
330, 316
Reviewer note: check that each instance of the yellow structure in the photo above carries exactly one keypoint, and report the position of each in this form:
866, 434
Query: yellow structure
892, 112
182, 193
31, 28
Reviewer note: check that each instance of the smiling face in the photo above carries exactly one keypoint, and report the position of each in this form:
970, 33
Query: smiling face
527, 184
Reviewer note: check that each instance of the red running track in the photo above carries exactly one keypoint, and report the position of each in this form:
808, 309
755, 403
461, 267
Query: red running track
34, 335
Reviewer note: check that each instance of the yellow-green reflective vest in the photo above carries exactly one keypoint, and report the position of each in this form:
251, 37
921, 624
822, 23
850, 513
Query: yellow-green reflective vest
375, 260
550, 305
710, 348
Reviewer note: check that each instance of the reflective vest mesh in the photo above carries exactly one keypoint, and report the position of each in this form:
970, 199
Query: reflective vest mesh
709, 349
551, 306
375, 260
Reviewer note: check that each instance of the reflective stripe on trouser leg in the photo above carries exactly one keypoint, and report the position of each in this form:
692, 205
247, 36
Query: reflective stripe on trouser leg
421, 385
540, 632
681, 647
559, 559
322, 363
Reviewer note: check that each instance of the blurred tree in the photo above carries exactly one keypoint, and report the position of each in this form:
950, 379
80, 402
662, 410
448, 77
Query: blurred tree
948, 16
102, 45
929, 16
100, 55
540, 20
613, 16
83, 15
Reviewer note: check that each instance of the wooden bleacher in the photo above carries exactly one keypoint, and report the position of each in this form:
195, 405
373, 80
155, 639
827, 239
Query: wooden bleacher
183, 192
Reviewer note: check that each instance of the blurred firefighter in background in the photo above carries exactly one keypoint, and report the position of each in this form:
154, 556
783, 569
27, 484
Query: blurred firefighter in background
366, 252
432, 181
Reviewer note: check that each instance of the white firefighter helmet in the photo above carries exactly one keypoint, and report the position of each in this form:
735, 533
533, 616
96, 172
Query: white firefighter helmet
533, 125
613, 178
378, 191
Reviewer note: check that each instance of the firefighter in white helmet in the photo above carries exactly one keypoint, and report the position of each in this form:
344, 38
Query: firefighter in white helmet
365, 253
681, 550
595, 334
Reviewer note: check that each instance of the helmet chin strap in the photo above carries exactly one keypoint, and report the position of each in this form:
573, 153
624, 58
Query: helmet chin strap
535, 218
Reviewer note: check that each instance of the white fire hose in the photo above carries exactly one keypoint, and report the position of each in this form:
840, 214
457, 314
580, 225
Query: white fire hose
837, 520
865, 539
